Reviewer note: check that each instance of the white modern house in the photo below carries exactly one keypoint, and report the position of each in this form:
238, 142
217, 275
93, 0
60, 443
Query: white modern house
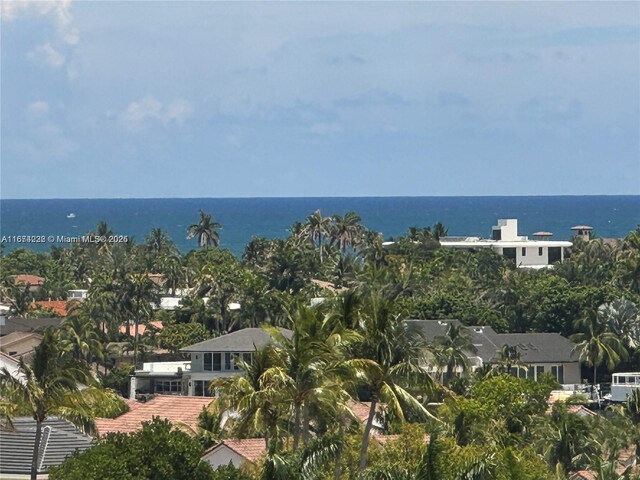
540, 252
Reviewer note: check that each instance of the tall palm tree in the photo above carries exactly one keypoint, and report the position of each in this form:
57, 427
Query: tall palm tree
596, 344
136, 295
394, 361
252, 405
80, 336
206, 230
48, 385
316, 229
451, 350
346, 230
308, 374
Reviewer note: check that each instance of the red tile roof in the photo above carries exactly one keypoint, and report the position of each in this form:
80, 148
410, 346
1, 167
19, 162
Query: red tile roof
141, 328
33, 280
251, 449
58, 306
175, 408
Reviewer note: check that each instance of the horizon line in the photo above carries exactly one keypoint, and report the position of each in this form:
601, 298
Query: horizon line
311, 197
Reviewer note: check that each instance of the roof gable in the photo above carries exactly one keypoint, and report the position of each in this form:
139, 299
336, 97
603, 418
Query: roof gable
245, 340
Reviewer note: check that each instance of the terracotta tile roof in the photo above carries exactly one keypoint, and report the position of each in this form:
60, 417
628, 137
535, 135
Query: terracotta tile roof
33, 280
58, 306
141, 328
175, 408
251, 449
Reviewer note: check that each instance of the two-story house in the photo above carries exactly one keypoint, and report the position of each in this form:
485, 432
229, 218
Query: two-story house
217, 357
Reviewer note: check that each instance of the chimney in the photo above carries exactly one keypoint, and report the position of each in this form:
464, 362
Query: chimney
582, 231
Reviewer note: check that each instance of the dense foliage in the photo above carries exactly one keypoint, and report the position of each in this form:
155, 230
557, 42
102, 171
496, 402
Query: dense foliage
298, 395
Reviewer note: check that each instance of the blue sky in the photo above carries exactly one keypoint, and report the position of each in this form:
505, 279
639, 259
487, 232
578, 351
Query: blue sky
217, 99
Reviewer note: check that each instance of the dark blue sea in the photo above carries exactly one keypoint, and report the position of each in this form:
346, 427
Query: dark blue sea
241, 218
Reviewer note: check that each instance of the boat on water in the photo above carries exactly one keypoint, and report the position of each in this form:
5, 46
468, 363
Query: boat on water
71, 215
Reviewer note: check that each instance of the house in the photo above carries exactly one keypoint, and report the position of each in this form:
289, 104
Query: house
20, 324
19, 344
34, 282
59, 440
538, 253
180, 410
251, 450
159, 377
57, 306
235, 451
538, 352
216, 357
12, 365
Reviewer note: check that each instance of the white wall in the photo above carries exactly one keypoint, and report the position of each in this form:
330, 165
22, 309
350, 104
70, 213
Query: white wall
532, 257
222, 455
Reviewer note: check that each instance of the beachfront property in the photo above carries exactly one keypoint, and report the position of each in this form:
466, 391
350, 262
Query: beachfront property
541, 252
538, 352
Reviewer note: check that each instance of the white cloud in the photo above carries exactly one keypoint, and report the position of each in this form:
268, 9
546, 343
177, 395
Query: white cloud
149, 109
60, 10
47, 54
37, 109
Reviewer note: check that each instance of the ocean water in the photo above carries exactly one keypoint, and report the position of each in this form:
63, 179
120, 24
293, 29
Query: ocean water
242, 218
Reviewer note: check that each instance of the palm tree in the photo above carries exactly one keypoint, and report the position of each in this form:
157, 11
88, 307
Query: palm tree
206, 230
49, 386
80, 336
623, 318
315, 229
394, 360
251, 405
439, 231
451, 350
597, 345
136, 295
308, 374
346, 230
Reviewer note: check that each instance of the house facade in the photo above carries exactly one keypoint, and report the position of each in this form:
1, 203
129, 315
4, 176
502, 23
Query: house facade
538, 352
537, 253
217, 357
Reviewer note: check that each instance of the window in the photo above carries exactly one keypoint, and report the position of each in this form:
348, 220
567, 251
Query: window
227, 361
539, 251
200, 388
531, 373
208, 361
496, 235
539, 371
558, 372
217, 362
524, 251
555, 254
246, 357
509, 253
168, 387
236, 356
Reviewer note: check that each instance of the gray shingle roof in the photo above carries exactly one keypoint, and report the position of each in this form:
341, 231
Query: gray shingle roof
19, 324
533, 347
245, 340
59, 440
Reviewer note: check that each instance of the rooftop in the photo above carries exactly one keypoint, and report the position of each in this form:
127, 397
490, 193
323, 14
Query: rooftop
59, 440
58, 306
33, 280
175, 408
20, 324
245, 340
251, 449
